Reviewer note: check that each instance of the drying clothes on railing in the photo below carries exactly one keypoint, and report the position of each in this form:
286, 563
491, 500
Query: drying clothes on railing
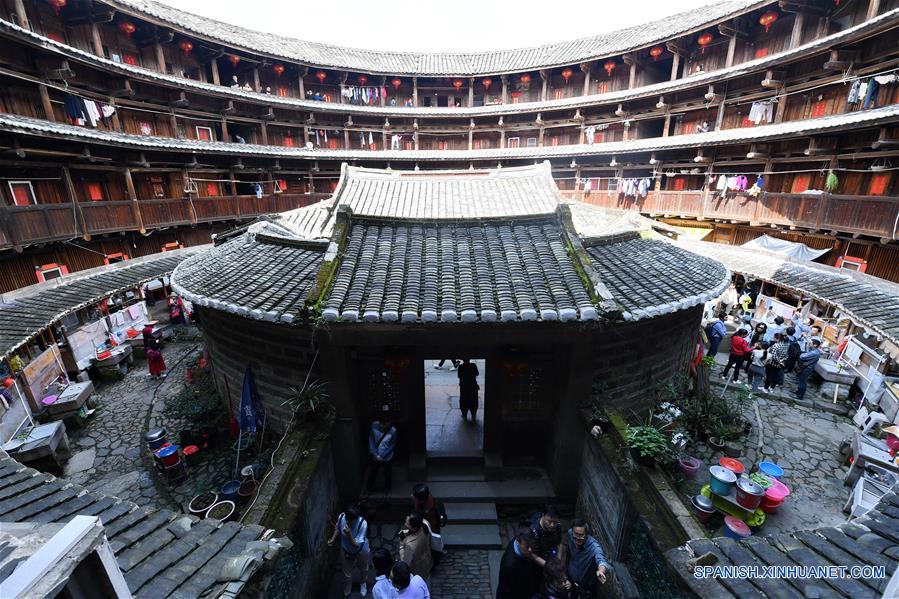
395, 141
80, 111
762, 110
726, 183
866, 91
634, 188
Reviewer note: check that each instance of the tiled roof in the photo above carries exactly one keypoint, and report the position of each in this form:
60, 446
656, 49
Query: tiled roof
649, 277
410, 250
741, 135
267, 281
664, 87
451, 272
441, 63
448, 195
27, 312
869, 540
161, 553
868, 300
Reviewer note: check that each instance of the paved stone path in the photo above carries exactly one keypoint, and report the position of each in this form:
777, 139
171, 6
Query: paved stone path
805, 443
109, 455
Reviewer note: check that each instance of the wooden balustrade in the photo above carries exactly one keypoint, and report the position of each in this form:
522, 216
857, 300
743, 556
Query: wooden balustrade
26, 225
863, 215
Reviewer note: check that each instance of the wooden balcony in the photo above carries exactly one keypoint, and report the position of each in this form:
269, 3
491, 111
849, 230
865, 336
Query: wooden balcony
21, 226
875, 216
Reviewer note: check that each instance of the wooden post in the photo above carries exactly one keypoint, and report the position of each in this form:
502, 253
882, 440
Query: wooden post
471, 134
132, 195
232, 184
45, 102
380, 95
185, 176
502, 138
21, 15
632, 78
73, 198
263, 130
470, 92
343, 77
173, 122
305, 134
796, 35
675, 64
720, 117
215, 71
225, 136
257, 87
667, 124
585, 67
415, 91
160, 57
384, 144
780, 108
544, 75
505, 82
302, 84
96, 40
873, 9
731, 50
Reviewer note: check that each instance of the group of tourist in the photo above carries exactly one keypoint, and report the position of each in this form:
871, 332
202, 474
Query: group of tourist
768, 350
407, 577
542, 562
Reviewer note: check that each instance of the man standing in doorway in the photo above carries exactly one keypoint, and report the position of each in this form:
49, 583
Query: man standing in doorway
381, 443
468, 388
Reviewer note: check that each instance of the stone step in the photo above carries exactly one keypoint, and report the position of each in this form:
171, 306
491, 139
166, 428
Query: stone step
471, 513
494, 558
471, 536
491, 491
453, 472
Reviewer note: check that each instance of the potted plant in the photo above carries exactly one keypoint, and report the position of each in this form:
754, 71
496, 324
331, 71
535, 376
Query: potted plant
223, 510
310, 404
598, 418
718, 434
646, 443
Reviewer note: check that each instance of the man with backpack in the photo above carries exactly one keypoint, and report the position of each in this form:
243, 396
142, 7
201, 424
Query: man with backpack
774, 367
715, 331
806, 366
793, 349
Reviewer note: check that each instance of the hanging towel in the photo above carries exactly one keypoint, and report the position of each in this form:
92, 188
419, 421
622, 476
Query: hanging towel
871, 94
371, 139
92, 112
853, 91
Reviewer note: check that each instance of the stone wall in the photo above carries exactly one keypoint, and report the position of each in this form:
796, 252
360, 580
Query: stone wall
279, 355
633, 358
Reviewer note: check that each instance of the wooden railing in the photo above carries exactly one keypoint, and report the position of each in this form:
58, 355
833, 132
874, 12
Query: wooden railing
26, 225
862, 215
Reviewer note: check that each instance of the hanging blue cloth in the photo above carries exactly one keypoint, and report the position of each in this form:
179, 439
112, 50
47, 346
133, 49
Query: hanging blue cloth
252, 413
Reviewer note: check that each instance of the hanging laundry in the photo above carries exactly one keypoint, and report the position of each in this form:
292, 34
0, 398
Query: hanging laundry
92, 111
721, 185
362, 139
74, 109
106, 113
258, 189
852, 98
888, 78
371, 139
395, 141
762, 110
871, 94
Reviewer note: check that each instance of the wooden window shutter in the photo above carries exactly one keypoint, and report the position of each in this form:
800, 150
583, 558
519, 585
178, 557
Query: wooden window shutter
22, 194
879, 184
95, 192
801, 182
598, 137
688, 128
283, 91
680, 183
131, 59
819, 109
288, 142
603, 87
332, 143
212, 188
761, 53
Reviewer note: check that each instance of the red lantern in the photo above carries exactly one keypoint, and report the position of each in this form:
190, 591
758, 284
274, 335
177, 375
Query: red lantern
186, 46
656, 52
457, 83
396, 83
526, 79
127, 27
278, 69
362, 80
321, 76
609, 66
566, 74
234, 60
486, 82
767, 19
57, 5
704, 40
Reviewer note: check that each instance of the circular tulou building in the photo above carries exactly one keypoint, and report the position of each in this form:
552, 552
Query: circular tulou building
399, 267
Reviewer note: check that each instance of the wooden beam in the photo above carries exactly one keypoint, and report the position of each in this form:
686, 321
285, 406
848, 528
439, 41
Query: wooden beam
873, 9
132, 195
214, 66
796, 34
21, 15
96, 40
73, 199
45, 102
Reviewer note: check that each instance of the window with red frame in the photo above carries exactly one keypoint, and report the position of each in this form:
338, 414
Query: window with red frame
442, 145
332, 143
879, 184
761, 53
281, 186
283, 91
819, 109
476, 144
598, 137
171, 246
22, 193
801, 182
113, 258
554, 140
558, 94
289, 143
689, 127
603, 87
56, 37
212, 188
95, 192
680, 184
204, 133
47, 272
131, 59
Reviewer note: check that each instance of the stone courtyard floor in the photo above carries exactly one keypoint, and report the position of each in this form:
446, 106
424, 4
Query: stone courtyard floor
109, 455
805, 442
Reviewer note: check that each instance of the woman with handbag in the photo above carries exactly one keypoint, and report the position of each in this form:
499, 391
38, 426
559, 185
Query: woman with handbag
353, 532
415, 547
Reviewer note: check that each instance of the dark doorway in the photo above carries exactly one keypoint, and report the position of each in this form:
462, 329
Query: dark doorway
448, 434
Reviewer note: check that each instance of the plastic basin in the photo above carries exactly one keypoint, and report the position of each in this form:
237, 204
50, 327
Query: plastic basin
749, 494
734, 465
735, 528
721, 480
771, 469
779, 489
168, 455
230, 489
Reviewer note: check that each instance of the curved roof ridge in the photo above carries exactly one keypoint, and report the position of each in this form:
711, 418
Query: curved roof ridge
441, 63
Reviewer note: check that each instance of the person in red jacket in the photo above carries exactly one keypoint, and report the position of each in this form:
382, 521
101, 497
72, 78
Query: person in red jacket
739, 352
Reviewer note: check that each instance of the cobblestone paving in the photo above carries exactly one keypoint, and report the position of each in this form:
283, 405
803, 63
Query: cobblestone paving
805, 443
109, 455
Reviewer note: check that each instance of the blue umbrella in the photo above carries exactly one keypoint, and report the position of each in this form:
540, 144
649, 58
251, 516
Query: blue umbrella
251, 415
